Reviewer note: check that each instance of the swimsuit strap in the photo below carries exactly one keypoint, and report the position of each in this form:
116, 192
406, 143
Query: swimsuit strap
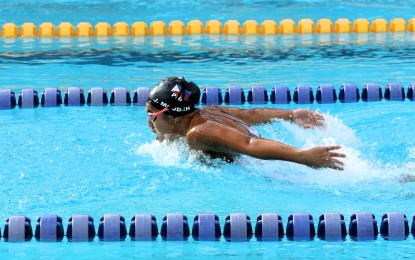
251, 131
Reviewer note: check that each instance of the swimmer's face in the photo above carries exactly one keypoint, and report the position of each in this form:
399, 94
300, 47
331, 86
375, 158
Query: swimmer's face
160, 124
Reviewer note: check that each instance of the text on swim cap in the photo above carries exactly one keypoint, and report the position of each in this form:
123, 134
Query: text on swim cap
181, 109
162, 103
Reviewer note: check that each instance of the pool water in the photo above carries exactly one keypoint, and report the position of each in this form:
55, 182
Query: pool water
99, 160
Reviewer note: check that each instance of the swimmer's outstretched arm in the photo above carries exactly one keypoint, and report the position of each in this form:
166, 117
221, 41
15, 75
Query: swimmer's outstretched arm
218, 138
303, 117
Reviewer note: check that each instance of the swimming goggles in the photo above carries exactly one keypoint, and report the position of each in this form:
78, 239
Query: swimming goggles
152, 116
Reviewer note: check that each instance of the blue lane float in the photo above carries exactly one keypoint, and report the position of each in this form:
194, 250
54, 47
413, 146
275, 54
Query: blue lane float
300, 227
175, 227
269, 227
394, 92
211, 96
256, 95
331, 227
97, 97
80, 228
237, 228
280, 94
143, 227
49, 228
120, 97
394, 226
349, 93
363, 227
371, 92
7, 99
74, 96
303, 94
140, 96
112, 228
28, 98
206, 227
51, 97
17, 228
235, 96
326, 94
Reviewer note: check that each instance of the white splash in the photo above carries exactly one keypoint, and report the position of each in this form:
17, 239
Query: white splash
177, 154
359, 168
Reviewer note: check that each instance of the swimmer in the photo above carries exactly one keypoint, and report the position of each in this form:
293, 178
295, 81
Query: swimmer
225, 132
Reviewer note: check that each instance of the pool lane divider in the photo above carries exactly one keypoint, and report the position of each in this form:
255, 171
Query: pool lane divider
195, 27
235, 95
238, 227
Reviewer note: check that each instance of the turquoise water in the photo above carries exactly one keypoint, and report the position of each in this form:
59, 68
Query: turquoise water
112, 11
98, 160
102, 160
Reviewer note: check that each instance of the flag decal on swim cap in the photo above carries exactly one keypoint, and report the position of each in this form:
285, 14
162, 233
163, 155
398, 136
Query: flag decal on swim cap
177, 91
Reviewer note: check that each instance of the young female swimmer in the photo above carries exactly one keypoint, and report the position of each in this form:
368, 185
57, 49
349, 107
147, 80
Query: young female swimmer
225, 132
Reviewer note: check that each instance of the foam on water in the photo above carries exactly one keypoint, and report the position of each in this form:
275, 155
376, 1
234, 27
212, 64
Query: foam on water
177, 154
360, 167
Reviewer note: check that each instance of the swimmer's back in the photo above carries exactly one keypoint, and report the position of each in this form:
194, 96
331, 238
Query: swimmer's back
229, 117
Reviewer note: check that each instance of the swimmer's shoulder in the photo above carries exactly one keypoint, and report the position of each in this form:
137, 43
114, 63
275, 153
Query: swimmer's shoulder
226, 110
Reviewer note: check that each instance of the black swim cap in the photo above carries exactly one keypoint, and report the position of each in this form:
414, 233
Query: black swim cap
176, 93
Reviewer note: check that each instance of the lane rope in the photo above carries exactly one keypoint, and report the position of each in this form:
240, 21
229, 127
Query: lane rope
235, 95
195, 27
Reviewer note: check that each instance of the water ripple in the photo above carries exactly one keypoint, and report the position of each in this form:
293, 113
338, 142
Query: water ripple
126, 56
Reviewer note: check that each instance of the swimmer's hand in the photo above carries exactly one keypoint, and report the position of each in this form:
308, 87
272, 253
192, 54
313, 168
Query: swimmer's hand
307, 118
323, 157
